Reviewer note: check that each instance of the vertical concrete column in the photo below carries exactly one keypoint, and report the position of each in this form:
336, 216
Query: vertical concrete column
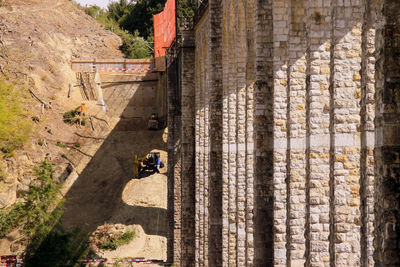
345, 129
215, 131
187, 75
296, 131
263, 132
368, 132
387, 123
318, 30
281, 11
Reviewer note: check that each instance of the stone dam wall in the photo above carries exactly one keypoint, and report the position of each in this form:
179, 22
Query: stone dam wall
284, 144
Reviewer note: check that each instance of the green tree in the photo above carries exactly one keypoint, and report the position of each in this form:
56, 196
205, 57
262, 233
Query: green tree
133, 22
94, 11
118, 10
140, 16
136, 47
186, 9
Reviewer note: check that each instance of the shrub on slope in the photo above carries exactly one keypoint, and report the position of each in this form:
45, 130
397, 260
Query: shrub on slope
14, 124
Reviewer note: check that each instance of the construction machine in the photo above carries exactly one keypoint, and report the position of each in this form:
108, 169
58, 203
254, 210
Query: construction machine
149, 163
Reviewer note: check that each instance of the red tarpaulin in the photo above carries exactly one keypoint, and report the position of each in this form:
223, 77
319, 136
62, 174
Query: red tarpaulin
164, 28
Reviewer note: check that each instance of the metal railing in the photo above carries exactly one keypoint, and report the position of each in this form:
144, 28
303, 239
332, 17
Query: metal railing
129, 66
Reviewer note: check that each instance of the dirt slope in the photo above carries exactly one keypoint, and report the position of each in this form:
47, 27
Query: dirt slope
37, 41
38, 38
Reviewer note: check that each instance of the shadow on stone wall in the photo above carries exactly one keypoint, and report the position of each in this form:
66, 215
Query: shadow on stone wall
314, 55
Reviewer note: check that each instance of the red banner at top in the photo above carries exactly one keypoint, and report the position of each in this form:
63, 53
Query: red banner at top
164, 28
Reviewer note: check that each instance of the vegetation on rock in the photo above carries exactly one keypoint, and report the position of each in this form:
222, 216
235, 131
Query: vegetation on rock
14, 124
32, 213
38, 215
110, 237
114, 242
60, 144
72, 117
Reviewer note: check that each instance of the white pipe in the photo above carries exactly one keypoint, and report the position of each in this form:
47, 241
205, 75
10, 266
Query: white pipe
100, 90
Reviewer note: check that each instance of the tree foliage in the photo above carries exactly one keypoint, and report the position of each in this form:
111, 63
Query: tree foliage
34, 213
134, 45
38, 216
140, 17
117, 11
133, 22
186, 9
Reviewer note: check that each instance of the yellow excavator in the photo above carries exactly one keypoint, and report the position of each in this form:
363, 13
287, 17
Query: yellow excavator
149, 163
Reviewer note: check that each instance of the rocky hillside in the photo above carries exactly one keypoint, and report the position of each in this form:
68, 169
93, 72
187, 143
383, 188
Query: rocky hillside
92, 163
38, 38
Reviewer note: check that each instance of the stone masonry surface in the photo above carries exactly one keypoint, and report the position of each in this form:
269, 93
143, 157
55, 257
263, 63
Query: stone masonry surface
285, 145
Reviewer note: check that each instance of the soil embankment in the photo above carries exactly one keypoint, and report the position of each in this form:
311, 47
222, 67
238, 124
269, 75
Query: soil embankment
38, 40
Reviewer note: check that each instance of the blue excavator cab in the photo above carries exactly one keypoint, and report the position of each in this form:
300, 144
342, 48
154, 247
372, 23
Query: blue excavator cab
150, 163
